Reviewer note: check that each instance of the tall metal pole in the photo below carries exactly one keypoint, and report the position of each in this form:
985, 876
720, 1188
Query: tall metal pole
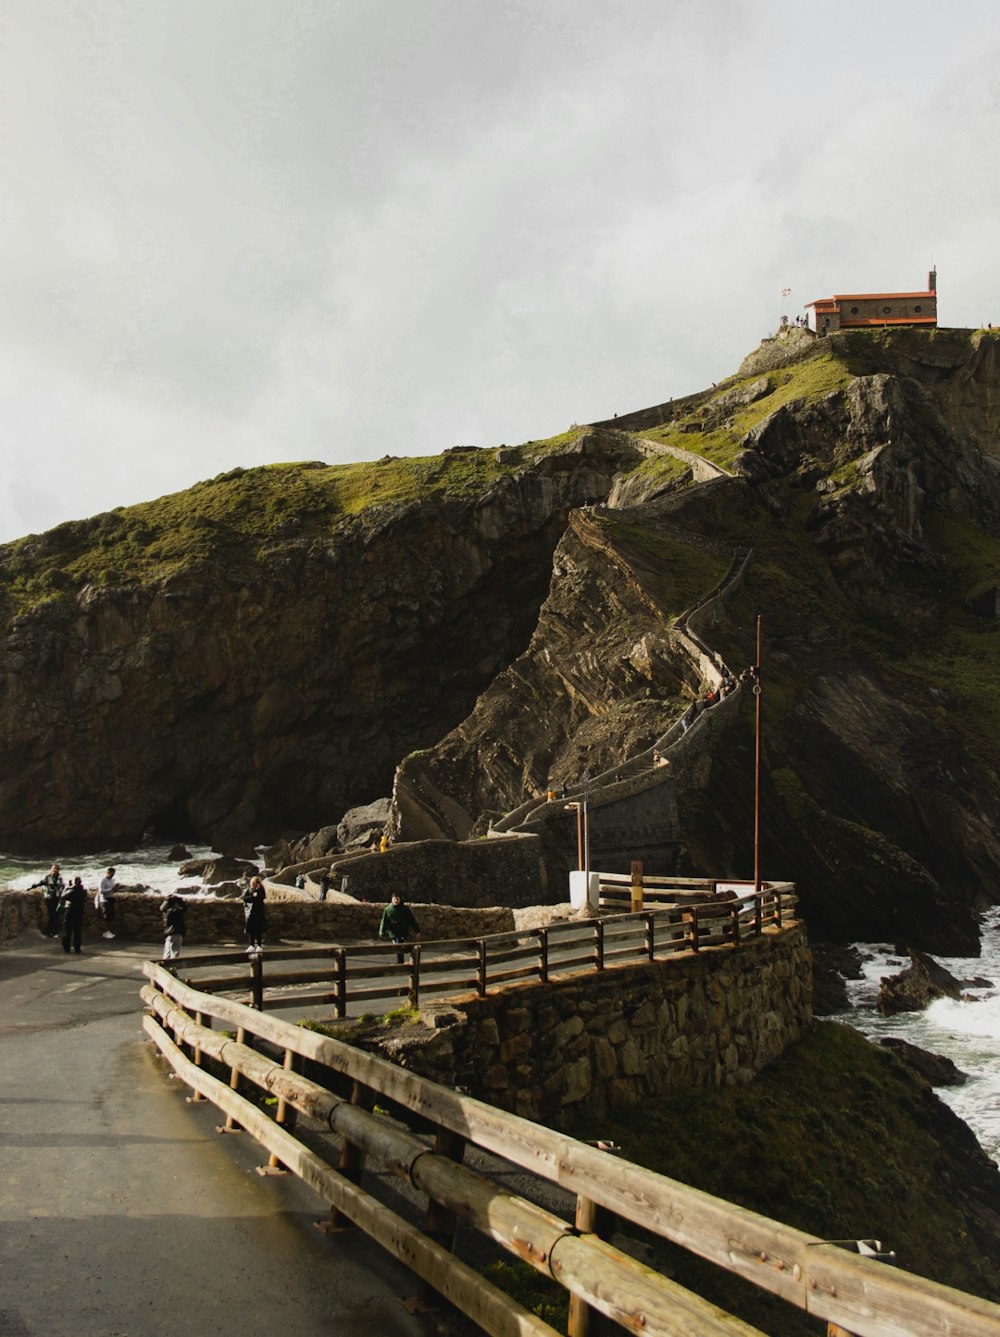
586, 827
756, 783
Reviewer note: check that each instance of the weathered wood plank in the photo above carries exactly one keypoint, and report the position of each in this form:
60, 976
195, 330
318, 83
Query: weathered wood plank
494, 1311
842, 1288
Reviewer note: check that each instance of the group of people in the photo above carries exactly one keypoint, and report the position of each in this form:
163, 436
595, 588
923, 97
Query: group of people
64, 904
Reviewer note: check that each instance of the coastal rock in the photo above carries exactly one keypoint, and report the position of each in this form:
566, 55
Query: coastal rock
277, 646
359, 826
833, 964
315, 846
275, 642
213, 871
937, 1069
916, 986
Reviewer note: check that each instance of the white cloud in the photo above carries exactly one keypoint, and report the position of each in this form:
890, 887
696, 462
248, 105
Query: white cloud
242, 232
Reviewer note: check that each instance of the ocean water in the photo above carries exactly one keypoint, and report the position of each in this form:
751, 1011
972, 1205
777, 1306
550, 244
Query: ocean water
149, 866
967, 1031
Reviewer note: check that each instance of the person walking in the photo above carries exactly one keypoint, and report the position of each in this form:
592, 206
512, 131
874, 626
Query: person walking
73, 901
399, 923
174, 912
52, 886
104, 901
255, 915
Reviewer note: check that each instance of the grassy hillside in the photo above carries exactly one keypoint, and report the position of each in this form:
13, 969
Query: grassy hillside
225, 519
839, 1139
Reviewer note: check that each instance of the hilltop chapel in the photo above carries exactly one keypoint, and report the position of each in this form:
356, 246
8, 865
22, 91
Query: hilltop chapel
869, 310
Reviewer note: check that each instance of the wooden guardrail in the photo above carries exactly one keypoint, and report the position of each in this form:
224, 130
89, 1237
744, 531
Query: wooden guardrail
355, 975
860, 1295
639, 889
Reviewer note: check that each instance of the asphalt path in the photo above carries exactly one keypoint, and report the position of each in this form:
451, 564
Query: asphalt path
123, 1213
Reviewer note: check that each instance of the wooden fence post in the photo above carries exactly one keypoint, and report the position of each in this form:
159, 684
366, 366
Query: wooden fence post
481, 966
590, 1220
651, 936
636, 886
599, 944
283, 1115
693, 936
352, 1158
543, 955
440, 1222
231, 1126
202, 1020
414, 998
340, 1006
257, 981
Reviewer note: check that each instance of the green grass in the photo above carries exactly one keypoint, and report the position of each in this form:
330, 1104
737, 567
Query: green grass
681, 569
835, 1138
810, 379
224, 522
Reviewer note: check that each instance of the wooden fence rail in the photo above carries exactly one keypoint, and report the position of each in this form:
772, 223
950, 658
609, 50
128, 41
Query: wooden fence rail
856, 1293
356, 975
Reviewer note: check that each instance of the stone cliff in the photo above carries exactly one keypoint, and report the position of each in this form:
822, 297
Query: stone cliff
257, 653
270, 648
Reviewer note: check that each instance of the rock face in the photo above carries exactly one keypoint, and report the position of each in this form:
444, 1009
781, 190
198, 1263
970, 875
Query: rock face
916, 986
272, 648
282, 665
937, 1069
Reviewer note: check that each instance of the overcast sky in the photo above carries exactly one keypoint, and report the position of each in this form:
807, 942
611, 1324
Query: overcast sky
235, 232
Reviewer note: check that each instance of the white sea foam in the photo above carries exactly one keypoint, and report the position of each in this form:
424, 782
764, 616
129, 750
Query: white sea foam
149, 866
965, 1030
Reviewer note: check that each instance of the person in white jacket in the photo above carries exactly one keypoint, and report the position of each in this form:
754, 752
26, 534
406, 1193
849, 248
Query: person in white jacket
104, 901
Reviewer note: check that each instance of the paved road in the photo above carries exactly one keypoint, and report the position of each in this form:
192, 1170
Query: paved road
122, 1212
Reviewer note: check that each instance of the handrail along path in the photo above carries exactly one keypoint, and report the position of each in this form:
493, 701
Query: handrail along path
858, 1294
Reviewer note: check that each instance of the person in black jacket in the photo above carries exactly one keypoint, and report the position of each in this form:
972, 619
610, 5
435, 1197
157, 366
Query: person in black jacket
174, 911
73, 900
255, 915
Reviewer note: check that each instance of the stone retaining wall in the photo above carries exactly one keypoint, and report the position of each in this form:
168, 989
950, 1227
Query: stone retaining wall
138, 919
503, 871
617, 1036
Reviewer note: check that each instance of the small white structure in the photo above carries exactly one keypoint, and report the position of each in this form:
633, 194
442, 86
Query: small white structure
584, 889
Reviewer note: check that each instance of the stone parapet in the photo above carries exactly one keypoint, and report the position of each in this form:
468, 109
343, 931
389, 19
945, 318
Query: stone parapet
617, 1036
209, 921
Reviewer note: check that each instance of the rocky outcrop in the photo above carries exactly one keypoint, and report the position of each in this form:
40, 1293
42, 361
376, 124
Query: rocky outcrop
478, 630
358, 827
937, 1069
919, 984
279, 670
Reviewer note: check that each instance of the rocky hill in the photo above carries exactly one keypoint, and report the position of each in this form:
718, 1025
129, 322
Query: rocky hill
274, 646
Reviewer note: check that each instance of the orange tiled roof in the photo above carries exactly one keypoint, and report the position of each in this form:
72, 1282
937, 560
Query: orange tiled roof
877, 296
868, 297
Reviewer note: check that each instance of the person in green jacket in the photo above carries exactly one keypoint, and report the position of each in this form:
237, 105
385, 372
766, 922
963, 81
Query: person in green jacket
398, 922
